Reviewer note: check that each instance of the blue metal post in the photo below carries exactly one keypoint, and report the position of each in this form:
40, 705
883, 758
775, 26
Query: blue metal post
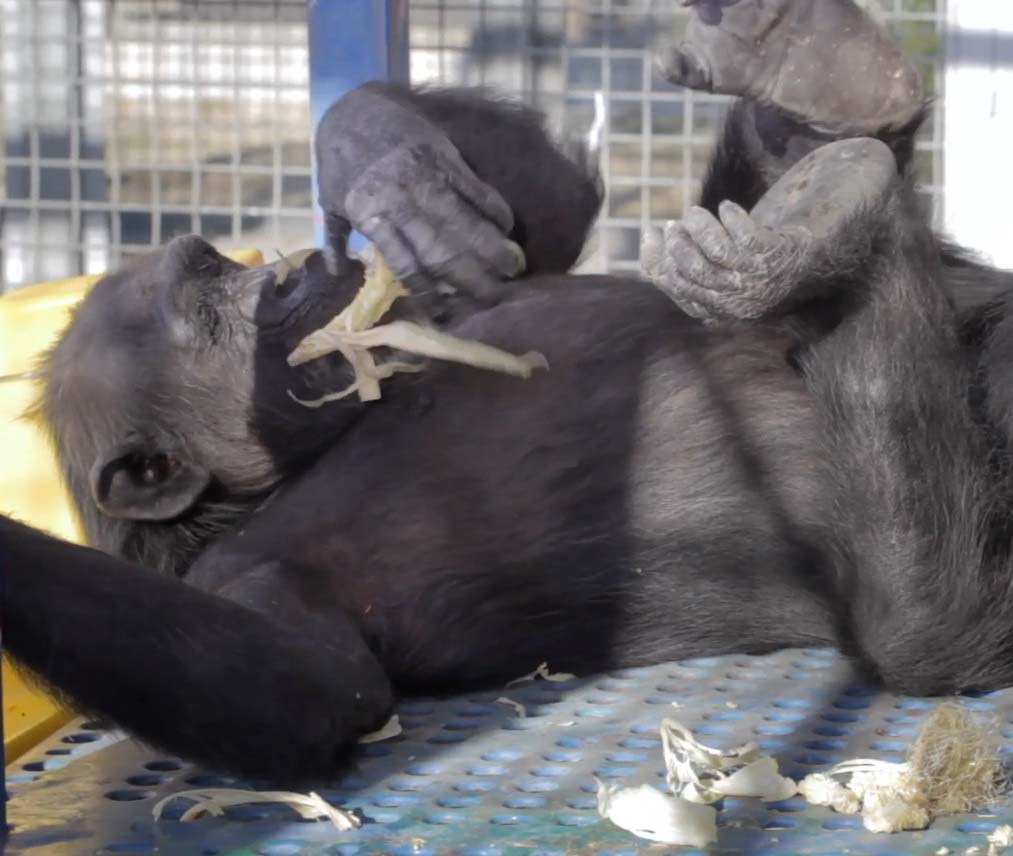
351, 42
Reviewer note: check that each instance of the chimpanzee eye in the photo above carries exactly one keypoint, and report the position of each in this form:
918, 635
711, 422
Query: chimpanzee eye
207, 315
151, 470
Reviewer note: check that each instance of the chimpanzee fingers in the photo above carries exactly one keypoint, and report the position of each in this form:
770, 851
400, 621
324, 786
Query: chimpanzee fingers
444, 255
396, 249
689, 260
744, 230
657, 260
464, 227
759, 240
473, 278
484, 197
711, 238
690, 297
679, 64
652, 252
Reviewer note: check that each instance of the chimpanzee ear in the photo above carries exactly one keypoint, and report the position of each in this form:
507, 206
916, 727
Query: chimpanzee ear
141, 482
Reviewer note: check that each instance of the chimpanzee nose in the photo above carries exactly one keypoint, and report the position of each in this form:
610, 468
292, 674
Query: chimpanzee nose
189, 253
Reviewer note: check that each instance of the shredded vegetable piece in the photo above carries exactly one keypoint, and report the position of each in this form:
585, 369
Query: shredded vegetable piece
521, 710
353, 334
391, 729
701, 774
543, 672
650, 814
1001, 838
952, 768
286, 264
214, 801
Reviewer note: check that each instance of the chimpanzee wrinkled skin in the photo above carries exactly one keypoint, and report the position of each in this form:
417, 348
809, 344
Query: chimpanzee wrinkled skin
793, 437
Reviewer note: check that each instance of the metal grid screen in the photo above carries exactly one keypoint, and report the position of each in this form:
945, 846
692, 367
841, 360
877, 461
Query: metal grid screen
125, 123
658, 137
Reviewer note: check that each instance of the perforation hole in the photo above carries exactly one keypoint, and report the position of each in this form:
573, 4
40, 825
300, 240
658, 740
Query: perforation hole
526, 724
443, 818
793, 704
163, 766
407, 785
81, 737
577, 819
148, 780
280, 848
510, 819
125, 795
774, 730
841, 823
448, 737
814, 759
525, 802
395, 800
972, 826
784, 716
842, 716
475, 785
480, 710
562, 757
503, 755
852, 703
423, 770
211, 781
486, 770
910, 704
463, 725
458, 802
550, 772
538, 786
888, 746
826, 745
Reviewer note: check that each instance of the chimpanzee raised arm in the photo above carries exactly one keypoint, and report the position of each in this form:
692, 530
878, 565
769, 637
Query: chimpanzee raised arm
448, 183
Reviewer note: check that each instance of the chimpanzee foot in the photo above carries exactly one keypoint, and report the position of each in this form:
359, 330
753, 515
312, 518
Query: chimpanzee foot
747, 266
823, 61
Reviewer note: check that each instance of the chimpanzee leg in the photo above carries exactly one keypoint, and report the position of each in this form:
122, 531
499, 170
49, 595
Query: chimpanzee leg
187, 671
922, 529
921, 545
808, 71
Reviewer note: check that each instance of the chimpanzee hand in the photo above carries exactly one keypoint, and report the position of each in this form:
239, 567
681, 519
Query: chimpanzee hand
805, 234
727, 269
401, 183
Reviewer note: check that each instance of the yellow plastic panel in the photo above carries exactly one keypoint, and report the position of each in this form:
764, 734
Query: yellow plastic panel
31, 489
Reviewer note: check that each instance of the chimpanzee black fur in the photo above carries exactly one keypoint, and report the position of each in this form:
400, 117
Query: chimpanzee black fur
666, 489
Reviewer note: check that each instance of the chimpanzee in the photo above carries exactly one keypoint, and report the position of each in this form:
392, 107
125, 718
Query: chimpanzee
668, 488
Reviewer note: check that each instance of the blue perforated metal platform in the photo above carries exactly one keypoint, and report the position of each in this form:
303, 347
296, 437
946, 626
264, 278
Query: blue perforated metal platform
469, 776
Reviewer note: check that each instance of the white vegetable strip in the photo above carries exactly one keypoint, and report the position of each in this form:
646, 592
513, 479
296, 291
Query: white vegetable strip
543, 672
391, 729
650, 814
352, 333
214, 801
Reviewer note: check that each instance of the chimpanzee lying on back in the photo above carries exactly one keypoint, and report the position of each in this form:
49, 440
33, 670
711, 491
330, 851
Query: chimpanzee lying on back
666, 489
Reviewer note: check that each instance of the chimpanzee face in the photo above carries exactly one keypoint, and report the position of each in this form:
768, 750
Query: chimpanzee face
173, 377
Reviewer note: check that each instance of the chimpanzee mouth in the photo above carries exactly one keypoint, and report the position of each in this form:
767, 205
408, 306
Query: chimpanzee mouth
303, 289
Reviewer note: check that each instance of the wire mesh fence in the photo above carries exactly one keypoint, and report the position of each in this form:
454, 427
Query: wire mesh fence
127, 122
